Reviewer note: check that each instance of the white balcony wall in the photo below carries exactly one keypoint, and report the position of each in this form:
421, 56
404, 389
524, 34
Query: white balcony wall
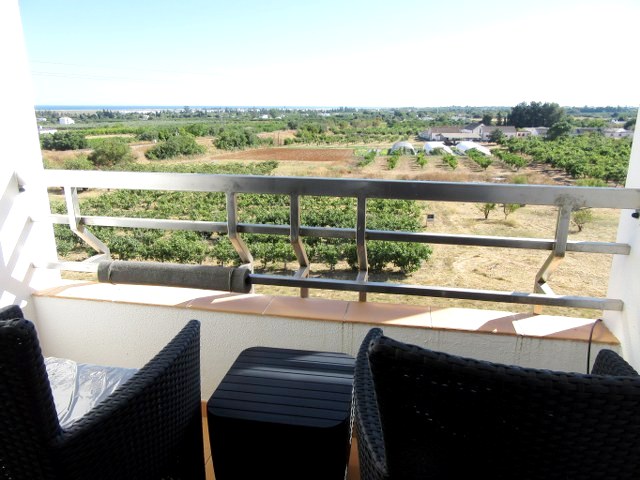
624, 281
128, 334
22, 241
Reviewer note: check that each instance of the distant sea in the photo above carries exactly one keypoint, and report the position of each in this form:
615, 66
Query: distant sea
139, 108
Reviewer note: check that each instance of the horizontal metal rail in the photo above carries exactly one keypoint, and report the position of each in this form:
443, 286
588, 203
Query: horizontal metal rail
348, 233
565, 199
441, 292
577, 197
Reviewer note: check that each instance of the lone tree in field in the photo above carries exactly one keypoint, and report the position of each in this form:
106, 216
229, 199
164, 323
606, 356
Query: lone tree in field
581, 217
486, 209
509, 208
111, 152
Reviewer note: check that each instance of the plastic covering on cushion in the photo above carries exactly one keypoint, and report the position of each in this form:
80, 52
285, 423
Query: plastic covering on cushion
78, 387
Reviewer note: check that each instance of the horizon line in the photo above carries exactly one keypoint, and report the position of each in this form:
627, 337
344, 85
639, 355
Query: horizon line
46, 106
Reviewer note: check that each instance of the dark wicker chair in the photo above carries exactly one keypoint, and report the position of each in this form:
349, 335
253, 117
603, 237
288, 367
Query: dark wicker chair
149, 428
422, 414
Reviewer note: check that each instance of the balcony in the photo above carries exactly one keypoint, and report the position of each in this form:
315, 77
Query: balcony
103, 323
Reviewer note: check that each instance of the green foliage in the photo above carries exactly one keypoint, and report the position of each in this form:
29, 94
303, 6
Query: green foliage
497, 136
582, 156
486, 209
450, 160
195, 247
406, 257
559, 129
368, 158
80, 162
113, 151
519, 180
479, 158
175, 146
437, 151
590, 182
94, 143
421, 159
234, 139
392, 160
514, 161
70, 140
581, 217
535, 114
509, 208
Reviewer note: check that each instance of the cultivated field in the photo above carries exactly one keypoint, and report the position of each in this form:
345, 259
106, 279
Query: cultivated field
454, 266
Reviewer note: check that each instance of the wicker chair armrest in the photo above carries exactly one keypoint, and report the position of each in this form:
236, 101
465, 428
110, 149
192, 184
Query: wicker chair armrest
609, 362
10, 312
373, 464
161, 401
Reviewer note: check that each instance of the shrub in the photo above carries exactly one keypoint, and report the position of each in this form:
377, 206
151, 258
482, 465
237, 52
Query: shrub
111, 152
581, 217
175, 146
591, 182
450, 160
421, 160
509, 208
519, 179
77, 163
486, 209
63, 141
236, 139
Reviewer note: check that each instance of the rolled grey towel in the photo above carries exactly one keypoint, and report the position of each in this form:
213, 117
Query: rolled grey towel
208, 277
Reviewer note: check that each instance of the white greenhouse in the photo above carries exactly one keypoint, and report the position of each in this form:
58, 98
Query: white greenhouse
431, 146
464, 146
405, 147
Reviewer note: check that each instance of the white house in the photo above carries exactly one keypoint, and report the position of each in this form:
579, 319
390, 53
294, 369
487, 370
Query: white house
507, 131
44, 130
66, 121
617, 133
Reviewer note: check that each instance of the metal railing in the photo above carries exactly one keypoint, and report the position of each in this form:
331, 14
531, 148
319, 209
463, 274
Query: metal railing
566, 199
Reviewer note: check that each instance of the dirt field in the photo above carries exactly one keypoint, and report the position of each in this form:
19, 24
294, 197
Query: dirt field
284, 154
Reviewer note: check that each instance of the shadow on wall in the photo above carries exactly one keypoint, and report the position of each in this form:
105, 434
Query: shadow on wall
15, 229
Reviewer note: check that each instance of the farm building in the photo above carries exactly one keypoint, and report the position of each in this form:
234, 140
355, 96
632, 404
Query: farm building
431, 146
508, 131
404, 147
66, 121
464, 146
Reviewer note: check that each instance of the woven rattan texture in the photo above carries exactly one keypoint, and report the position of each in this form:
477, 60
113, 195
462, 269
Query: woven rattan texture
449, 417
367, 422
149, 428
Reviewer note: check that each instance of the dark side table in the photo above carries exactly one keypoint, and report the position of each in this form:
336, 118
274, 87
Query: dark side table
284, 414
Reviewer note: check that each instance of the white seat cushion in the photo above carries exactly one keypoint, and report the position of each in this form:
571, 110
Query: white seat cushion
78, 387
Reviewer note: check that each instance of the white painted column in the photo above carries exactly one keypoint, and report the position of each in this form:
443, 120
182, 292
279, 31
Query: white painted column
624, 282
22, 195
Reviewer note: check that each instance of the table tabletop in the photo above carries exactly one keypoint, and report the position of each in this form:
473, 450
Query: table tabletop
284, 386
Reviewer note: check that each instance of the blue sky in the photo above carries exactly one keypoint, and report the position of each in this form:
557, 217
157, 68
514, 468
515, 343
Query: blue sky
397, 53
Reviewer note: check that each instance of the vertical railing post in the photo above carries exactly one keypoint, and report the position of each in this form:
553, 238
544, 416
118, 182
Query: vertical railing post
76, 226
361, 246
296, 242
232, 230
556, 256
